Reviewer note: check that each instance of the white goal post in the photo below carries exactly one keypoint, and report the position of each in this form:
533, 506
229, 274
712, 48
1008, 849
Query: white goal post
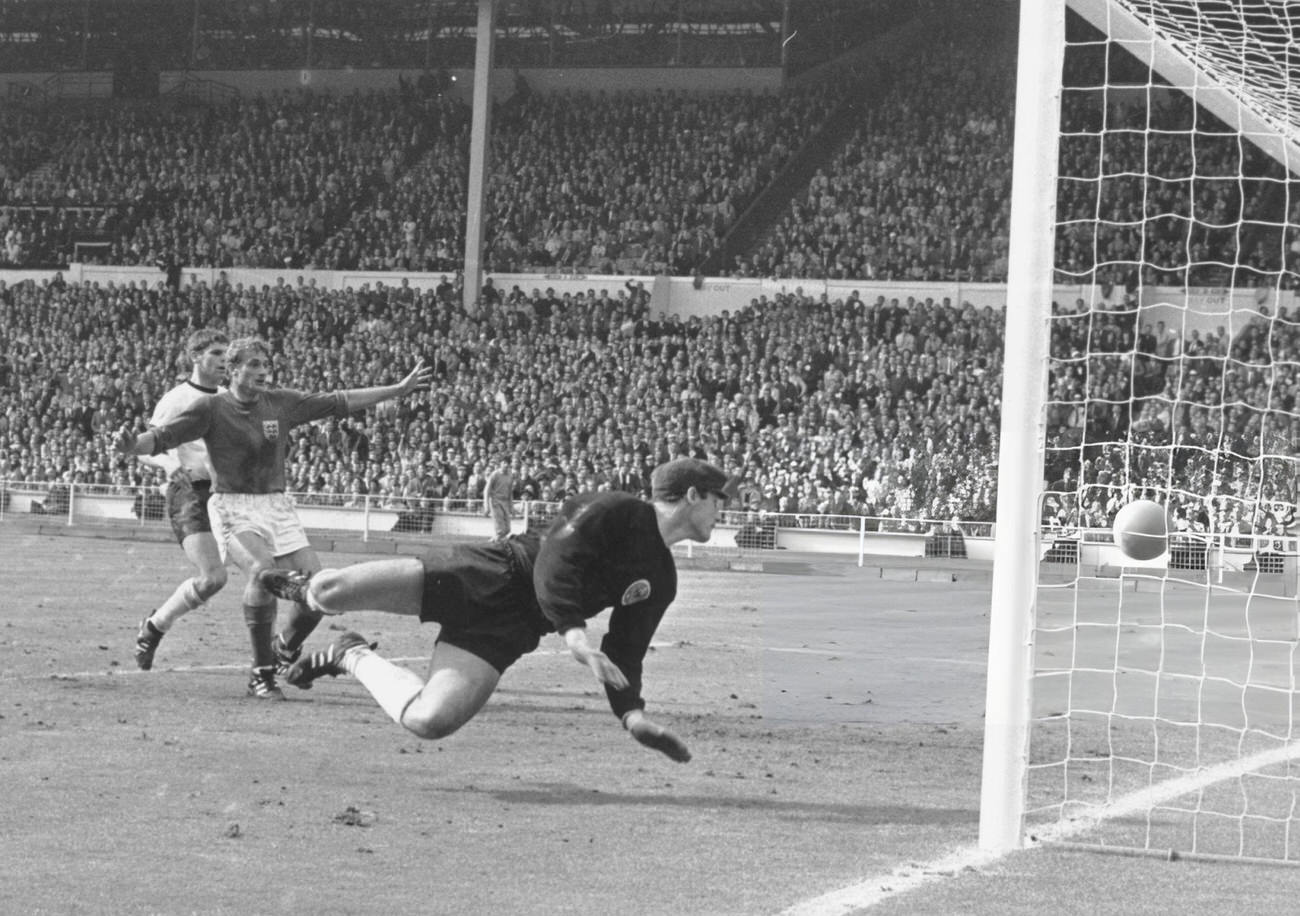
1024, 384
1158, 694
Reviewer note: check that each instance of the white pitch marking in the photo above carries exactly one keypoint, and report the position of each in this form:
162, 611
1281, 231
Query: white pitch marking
901, 880
905, 878
125, 671
838, 653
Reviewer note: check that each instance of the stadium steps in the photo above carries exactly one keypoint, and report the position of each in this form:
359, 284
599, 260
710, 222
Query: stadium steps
339, 221
756, 221
793, 179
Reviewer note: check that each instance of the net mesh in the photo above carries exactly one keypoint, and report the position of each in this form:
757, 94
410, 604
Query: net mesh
1247, 47
1174, 376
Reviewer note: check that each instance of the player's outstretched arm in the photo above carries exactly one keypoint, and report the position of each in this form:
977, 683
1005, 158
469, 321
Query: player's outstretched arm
655, 736
128, 443
361, 398
605, 670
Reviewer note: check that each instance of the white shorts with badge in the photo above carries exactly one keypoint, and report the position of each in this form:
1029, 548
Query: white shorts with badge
270, 516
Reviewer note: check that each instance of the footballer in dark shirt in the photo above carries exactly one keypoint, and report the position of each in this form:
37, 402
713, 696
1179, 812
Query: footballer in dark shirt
494, 600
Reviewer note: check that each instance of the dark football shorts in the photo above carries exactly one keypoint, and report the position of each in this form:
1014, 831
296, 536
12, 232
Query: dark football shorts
187, 506
482, 596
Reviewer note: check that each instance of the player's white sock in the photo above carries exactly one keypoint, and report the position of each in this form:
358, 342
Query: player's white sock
185, 599
392, 686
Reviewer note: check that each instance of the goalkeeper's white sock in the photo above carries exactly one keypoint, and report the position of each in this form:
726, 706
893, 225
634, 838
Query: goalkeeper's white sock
392, 686
312, 604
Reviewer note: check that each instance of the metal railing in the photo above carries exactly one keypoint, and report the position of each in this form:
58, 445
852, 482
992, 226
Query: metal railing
367, 516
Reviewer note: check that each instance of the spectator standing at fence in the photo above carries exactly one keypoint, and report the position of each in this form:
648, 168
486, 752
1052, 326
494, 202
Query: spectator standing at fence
946, 539
498, 499
187, 491
246, 430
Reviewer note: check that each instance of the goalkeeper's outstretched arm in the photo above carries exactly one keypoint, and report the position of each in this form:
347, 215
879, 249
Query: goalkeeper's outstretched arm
638, 724
655, 736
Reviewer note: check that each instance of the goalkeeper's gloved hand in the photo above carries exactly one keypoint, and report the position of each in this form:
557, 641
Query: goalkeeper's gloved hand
656, 736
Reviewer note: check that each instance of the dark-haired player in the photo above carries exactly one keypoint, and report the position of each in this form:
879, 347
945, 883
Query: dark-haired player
494, 601
188, 486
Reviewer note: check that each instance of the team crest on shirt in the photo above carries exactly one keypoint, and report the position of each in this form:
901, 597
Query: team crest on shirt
637, 591
271, 429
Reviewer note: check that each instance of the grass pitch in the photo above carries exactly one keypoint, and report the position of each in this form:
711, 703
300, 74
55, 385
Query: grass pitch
834, 716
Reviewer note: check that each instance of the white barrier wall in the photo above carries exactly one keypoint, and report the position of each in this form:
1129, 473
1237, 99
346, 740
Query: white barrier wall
376, 522
98, 84
1204, 309
1097, 556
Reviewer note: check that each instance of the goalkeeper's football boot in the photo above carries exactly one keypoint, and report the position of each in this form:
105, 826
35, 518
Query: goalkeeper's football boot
289, 584
326, 662
284, 656
146, 644
261, 684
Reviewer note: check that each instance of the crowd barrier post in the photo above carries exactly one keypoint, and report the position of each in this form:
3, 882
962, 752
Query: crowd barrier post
365, 520
862, 540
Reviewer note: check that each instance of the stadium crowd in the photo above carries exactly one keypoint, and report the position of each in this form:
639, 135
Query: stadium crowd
641, 182
833, 408
880, 408
52, 35
1206, 421
259, 182
844, 407
920, 191
636, 182
648, 182
922, 188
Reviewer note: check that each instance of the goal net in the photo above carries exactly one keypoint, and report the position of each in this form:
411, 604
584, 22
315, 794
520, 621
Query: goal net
1160, 706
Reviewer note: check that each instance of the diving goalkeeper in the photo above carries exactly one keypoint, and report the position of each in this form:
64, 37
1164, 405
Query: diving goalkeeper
495, 600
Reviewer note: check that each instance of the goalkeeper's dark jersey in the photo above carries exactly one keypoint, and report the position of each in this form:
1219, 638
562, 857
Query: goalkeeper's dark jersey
603, 551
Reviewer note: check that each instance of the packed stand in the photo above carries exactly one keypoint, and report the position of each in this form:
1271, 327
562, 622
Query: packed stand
628, 182
922, 188
835, 409
60, 35
258, 183
1199, 419
637, 182
1159, 192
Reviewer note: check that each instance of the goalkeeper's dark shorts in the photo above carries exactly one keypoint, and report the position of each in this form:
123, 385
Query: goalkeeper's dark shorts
482, 596
187, 506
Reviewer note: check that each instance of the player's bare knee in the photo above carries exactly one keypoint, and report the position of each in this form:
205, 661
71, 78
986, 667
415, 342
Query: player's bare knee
210, 582
253, 592
431, 726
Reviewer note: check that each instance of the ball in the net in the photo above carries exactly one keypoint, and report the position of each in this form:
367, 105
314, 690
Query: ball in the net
1141, 530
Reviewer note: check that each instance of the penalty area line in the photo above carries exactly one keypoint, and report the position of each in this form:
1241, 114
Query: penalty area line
909, 877
124, 671
170, 669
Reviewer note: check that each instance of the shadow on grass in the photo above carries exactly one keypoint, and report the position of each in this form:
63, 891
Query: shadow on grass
574, 795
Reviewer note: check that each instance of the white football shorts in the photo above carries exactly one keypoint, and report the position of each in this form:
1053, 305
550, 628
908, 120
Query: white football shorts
270, 516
